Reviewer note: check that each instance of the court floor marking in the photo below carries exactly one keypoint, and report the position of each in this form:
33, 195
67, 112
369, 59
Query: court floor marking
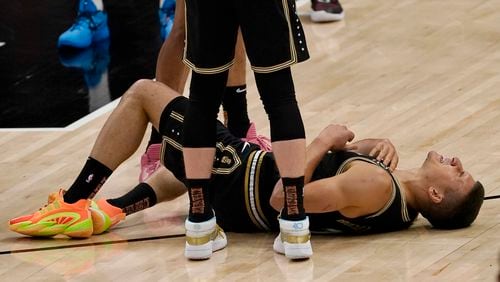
92, 244
75, 125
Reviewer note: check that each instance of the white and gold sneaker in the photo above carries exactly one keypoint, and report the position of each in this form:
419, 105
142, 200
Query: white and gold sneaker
203, 238
294, 240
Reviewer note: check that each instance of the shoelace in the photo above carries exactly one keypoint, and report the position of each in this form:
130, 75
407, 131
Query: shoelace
43, 209
52, 198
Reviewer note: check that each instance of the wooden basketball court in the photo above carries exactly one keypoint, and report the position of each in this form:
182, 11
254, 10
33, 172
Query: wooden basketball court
425, 74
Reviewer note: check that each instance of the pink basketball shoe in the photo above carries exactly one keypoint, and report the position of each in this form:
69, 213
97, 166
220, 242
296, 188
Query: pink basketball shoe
261, 140
150, 161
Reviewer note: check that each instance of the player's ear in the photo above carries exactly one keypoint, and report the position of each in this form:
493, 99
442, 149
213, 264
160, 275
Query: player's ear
435, 195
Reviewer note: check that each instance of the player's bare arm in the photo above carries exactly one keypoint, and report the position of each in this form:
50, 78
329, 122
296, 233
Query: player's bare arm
361, 190
382, 149
333, 136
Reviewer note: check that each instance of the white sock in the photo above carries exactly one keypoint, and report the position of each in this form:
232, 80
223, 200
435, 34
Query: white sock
98, 4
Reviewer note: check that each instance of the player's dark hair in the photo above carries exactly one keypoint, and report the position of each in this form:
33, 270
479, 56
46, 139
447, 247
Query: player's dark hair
455, 211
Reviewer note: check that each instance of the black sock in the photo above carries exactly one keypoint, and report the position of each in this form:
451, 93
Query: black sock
88, 182
155, 137
199, 203
141, 197
294, 199
234, 102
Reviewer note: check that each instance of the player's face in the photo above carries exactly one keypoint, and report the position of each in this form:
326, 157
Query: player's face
447, 172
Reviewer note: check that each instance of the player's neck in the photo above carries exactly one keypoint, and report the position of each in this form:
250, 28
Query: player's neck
412, 185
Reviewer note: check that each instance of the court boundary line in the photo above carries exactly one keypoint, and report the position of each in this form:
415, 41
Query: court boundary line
75, 125
491, 197
141, 239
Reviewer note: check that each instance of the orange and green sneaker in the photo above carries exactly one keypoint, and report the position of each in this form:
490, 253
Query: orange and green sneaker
57, 217
104, 215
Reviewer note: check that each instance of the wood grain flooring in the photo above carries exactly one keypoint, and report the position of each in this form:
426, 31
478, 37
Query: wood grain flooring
425, 74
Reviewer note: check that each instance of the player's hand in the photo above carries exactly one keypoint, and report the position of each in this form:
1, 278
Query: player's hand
335, 136
385, 152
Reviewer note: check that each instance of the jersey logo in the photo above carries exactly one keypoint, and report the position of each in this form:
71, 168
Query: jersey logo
89, 178
226, 159
245, 146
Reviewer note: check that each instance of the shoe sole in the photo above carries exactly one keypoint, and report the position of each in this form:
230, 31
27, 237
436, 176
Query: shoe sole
298, 251
293, 251
81, 229
70, 43
278, 246
324, 16
102, 222
198, 252
205, 251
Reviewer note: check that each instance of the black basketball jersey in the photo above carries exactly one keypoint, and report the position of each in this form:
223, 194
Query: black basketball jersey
243, 176
243, 179
395, 215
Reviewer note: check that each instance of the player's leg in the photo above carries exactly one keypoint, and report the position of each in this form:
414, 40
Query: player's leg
199, 152
271, 65
210, 41
288, 142
118, 139
122, 133
234, 101
162, 186
143, 195
171, 71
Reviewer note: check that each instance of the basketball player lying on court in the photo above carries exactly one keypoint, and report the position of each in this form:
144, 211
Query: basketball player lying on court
352, 187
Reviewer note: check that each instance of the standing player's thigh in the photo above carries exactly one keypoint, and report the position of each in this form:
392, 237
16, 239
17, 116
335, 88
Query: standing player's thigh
273, 35
211, 31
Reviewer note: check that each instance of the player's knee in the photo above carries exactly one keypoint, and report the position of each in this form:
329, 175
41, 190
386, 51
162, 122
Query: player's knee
201, 115
199, 125
142, 84
201, 111
286, 122
207, 88
278, 96
137, 90
132, 93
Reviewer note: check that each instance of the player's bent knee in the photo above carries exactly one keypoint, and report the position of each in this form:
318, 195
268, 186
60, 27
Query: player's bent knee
138, 88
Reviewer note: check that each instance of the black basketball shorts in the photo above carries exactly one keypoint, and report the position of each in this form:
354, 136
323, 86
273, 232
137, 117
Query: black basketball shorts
229, 148
272, 32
